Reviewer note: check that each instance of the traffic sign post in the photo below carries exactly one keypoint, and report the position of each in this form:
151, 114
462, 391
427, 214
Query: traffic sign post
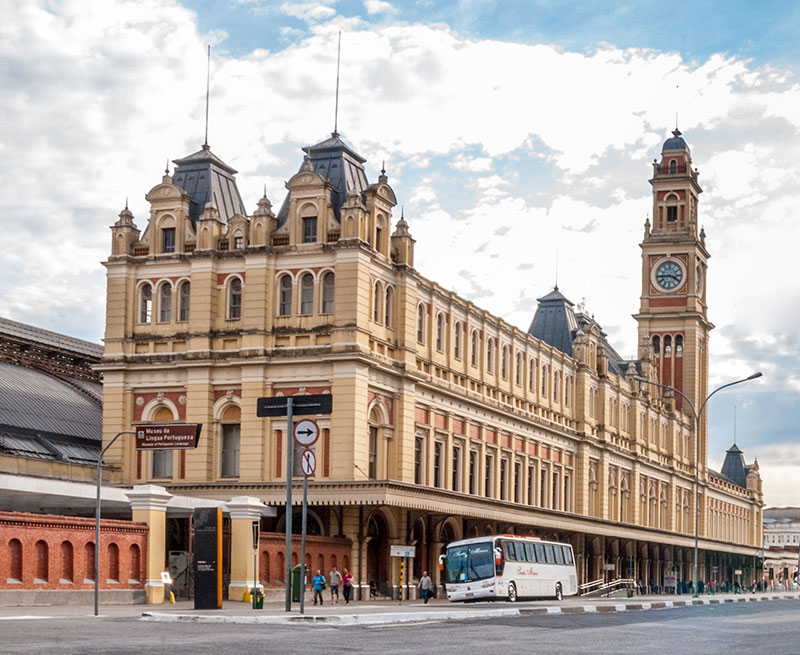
306, 432
308, 462
288, 406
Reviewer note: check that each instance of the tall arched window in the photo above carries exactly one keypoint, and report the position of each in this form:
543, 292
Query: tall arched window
135, 560
673, 166
504, 363
165, 303
389, 306
145, 303
113, 562
67, 561
328, 284
15, 559
440, 332
184, 295
544, 379
377, 297
556, 384
42, 561
656, 344
474, 348
518, 371
679, 345
490, 355
88, 557
421, 323
668, 345
235, 298
457, 340
285, 296
307, 294
531, 374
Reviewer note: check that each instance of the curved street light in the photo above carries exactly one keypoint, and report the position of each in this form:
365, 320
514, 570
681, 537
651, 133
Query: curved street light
697, 413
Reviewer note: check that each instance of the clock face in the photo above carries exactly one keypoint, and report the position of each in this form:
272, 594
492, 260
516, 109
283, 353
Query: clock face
669, 275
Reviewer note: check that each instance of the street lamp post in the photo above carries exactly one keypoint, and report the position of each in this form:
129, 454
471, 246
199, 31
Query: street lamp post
697, 414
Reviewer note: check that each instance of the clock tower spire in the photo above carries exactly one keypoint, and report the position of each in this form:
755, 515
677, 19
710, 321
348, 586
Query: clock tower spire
673, 315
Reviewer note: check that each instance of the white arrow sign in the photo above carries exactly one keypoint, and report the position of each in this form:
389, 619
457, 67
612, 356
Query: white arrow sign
306, 432
308, 462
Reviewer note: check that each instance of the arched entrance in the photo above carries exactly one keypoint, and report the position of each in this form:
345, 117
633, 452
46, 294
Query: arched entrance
378, 553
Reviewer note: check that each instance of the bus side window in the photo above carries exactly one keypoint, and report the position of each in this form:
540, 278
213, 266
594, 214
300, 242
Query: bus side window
550, 556
539, 553
570, 559
529, 554
520, 548
559, 555
508, 547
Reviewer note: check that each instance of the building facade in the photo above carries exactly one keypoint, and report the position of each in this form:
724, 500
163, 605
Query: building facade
447, 421
781, 551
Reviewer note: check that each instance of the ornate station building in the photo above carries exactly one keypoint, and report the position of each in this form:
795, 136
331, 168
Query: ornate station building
447, 421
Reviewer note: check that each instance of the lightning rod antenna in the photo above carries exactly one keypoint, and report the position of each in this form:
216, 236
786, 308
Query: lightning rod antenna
208, 89
338, 62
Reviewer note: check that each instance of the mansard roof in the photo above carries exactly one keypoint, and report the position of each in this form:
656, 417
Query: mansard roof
554, 321
338, 163
733, 468
206, 178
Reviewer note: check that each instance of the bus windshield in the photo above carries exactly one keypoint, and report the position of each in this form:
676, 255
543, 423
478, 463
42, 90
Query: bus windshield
470, 562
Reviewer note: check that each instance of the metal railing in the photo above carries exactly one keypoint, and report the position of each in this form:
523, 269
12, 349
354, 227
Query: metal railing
602, 588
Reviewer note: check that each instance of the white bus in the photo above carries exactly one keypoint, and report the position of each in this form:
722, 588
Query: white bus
509, 567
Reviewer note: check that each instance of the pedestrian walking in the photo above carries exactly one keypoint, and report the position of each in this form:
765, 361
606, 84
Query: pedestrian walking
319, 585
335, 578
425, 586
347, 586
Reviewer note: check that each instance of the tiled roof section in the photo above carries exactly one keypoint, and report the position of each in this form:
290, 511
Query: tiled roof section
53, 339
554, 321
205, 177
338, 163
36, 401
19, 443
733, 467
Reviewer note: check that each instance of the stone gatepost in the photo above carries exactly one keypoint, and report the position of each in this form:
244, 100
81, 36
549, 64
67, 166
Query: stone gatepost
149, 505
244, 570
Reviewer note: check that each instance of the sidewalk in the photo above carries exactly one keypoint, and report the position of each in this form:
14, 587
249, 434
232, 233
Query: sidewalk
379, 612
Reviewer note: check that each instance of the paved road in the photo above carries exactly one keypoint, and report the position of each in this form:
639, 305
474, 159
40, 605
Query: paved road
732, 629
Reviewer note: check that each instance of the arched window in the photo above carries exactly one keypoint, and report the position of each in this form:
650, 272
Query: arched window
556, 383
518, 371
88, 556
457, 340
328, 283
135, 563
474, 354
679, 344
377, 297
285, 296
230, 439
490, 355
421, 323
235, 298
544, 379
42, 561
656, 345
673, 166
440, 332
184, 297
165, 303
307, 294
389, 306
15, 559
504, 363
532, 374
145, 303
67, 561
667, 345
113, 562
567, 389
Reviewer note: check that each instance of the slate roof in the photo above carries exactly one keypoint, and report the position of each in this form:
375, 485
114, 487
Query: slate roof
675, 142
338, 163
53, 339
554, 321
733, 468
205, 177
36, 402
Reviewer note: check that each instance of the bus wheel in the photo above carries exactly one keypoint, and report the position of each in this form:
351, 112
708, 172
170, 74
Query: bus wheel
559, 593
512, 592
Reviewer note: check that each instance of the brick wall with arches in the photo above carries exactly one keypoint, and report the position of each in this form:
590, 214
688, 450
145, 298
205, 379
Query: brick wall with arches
44, 552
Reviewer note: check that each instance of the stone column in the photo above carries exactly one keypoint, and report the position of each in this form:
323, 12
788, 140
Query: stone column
149, 505
243, 511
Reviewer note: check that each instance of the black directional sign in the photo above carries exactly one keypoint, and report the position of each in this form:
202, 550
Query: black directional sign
310, 404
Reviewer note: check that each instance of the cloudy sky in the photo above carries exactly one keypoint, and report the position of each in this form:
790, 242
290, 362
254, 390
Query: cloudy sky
511, 132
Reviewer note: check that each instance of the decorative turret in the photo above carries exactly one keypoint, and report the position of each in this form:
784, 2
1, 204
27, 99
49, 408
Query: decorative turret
209, 227
403, 243
124, 233
263, 222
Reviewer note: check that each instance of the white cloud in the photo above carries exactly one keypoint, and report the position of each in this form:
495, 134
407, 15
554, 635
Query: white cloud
378, 7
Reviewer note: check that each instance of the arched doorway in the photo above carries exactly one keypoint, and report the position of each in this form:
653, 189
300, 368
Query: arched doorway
378, 553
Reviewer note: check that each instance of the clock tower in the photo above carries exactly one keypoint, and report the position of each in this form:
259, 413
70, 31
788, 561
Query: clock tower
673, 315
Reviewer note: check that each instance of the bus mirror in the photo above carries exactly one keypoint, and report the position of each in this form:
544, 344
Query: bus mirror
441, 562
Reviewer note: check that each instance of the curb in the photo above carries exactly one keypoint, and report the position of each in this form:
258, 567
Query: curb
387, 618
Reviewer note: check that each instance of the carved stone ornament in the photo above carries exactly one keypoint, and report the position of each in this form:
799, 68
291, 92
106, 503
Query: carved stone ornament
139, 401
182, 399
